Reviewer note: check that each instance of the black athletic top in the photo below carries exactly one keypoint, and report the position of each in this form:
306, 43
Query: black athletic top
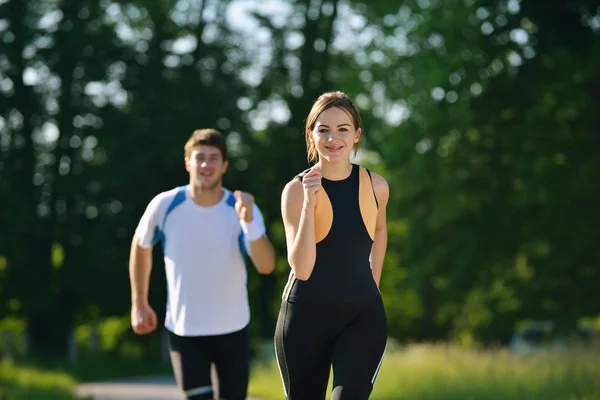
345, 217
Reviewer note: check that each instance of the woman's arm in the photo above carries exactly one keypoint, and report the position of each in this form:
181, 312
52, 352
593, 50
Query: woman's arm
382, 191
298, 212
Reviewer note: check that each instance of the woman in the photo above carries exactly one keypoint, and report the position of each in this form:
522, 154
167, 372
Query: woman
335, 225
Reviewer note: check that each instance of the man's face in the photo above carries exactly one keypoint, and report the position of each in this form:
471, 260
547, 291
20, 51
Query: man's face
206, 167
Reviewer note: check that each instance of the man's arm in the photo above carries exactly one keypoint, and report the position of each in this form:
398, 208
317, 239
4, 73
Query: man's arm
262, 255
379, 247
143, 317
258, 245
140, 267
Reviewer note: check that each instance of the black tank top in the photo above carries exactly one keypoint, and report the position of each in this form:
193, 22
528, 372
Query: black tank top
345, 230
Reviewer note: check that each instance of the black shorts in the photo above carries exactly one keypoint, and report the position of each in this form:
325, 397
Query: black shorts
191, 357
310, 338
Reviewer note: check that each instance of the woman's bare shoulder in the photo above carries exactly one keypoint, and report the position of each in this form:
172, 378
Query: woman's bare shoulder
381, 187
292, 192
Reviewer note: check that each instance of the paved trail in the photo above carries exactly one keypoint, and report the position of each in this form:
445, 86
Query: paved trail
152, 388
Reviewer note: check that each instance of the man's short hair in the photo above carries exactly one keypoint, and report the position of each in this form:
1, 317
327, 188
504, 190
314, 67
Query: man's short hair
207, 137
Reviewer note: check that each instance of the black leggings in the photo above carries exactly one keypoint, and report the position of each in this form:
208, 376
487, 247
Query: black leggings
191, 357
311, 337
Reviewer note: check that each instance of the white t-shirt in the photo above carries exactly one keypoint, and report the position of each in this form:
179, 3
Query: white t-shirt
205, 268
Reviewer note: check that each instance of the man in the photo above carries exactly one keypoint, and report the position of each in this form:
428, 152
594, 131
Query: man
205, 230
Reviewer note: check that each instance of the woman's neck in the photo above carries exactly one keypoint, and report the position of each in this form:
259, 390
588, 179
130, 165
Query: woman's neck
335, 171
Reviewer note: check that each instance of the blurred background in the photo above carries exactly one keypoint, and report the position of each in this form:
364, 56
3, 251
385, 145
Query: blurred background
482, 115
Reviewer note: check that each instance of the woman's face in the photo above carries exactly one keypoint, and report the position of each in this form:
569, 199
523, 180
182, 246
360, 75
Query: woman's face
334, 135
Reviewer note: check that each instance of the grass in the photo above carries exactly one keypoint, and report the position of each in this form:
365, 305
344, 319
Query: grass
419, 372
45, 380
25, 382
424, 372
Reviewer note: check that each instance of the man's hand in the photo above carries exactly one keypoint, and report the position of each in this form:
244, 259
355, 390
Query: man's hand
143, 319
243, 205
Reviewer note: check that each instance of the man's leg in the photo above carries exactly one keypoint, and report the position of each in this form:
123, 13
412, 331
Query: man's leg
190, 359
232, 362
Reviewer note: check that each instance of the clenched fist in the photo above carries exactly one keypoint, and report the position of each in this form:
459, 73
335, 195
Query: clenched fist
312, 183
244, 202
143, 319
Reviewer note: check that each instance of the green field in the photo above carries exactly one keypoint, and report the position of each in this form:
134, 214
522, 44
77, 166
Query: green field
453, 373
55, 381
24, 382
419, 372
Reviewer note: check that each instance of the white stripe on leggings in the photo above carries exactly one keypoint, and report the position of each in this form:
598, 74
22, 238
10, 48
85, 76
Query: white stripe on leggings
378, 366
199, 390
280, 371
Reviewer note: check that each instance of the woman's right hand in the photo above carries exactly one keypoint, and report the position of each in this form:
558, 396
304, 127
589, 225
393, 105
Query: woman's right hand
312, 184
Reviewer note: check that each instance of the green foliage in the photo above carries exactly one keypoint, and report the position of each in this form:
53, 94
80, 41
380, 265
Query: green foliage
110, 335
16, 329
482, 169
480, 115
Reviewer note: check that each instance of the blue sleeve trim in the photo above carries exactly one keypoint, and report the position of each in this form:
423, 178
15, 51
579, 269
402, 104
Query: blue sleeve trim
159, 232
230, 200
158, 235
242, 244
242, 237
177, 200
